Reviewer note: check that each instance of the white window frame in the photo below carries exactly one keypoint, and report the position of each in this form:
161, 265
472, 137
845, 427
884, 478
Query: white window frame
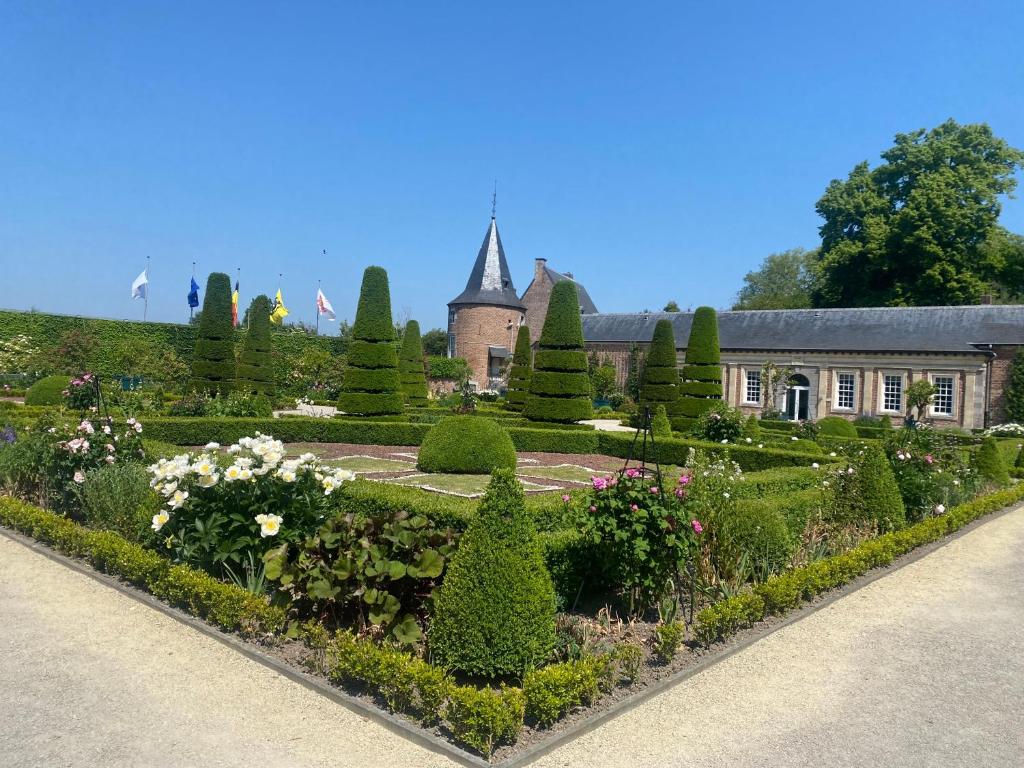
951, 414
853, 393
747, 373
881, 391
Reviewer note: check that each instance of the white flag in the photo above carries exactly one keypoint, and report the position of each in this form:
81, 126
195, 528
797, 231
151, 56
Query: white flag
323, 306
141, 285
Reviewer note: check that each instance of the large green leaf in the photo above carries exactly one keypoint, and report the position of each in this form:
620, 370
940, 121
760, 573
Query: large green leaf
428, 565
406, 630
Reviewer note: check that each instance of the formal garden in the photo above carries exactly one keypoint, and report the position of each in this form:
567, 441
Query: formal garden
489, 567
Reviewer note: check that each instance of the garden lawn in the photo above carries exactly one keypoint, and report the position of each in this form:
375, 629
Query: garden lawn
470, 486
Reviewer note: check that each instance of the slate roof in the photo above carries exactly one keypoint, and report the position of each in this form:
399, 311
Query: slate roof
490, 282
586, 303
868, 329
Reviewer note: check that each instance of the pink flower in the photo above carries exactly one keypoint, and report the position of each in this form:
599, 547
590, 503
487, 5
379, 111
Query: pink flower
79, 477
599, 483
634, 507
929, 459
684, 479
593, 508
565, 497
680, 493
697, 527
654, 489
631, 473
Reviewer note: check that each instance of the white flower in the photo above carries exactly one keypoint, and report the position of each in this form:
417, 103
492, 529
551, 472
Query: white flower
815, 465
794, 437
232, 473
169, 489
726, 494
725, 442
159, 520
272, 457
832, 454
749, 441
234, 448
178, 499
79, 477
269, 524
825, 483
106, 429
940, 508
208, 481
956, 482
109, 459
245, 474
760, 445
211, 447
138, 428
287, 475
849, 470
328, 485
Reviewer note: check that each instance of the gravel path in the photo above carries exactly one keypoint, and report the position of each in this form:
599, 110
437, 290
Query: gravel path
924, 667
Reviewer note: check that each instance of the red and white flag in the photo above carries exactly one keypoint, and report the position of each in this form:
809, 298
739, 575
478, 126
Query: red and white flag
323, 306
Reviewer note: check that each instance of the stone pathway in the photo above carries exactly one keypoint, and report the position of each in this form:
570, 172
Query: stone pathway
924, 667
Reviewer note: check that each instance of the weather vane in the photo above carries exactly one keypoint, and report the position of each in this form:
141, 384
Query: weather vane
494, 199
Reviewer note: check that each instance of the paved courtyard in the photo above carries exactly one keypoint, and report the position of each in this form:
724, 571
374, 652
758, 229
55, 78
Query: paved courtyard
924, 667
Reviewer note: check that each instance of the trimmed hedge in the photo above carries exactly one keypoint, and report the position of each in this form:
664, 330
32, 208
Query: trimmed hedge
837, 426
780, 594
213, 362
560, 385
411, 368
659, 382
777, 482
299, 429
701, 375
521, 372
990, 464
371, 383
224, 605
48, 391
676, 451
255, 366
467, 445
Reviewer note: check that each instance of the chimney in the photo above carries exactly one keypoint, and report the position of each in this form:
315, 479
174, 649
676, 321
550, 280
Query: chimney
569, 275
986, 299
538, 268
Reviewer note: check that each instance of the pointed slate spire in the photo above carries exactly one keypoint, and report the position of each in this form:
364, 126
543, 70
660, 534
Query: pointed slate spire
490, 282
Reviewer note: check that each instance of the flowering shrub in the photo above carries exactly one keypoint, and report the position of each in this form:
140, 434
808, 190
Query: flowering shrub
80, 394
643, 534
1005, 430
225, 513
719, 423
930, 471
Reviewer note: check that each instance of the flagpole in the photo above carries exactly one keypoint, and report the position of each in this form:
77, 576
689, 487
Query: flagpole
145, 297
317, 307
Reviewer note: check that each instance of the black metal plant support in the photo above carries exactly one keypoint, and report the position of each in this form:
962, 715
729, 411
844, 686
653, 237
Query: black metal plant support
645, 428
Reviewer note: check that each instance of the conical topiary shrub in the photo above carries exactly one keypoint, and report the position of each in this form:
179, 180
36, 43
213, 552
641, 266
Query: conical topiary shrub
494, 614
990, 464
371, 384
213, 362
660, 425
702, 373
255, 366
560, 385
871, 493
521, 371
410, 367
659, 383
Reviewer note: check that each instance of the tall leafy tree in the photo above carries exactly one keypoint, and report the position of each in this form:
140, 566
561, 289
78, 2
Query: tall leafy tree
914, 230
371, 384
411, 367
521, 371
255, 366
560, 386
435, 342
784, 281
213, 363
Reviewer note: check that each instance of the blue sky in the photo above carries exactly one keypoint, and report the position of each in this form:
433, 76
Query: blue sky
656, 150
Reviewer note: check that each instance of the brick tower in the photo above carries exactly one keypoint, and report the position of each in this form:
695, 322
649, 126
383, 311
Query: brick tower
483, 320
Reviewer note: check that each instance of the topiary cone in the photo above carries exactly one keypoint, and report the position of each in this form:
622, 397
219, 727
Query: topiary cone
255, 365
521, 371
659, 383
560, 385
702, 373
213, 362
371, 384
410, 367
494, 614
990, 463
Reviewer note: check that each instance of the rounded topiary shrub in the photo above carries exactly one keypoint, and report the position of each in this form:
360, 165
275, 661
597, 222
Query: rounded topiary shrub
990, 465
836, 426
702, 374
871, 493
659, 382
521, 371
47, 391
411, 370
467, 445
757, 534
371, 385
494, 614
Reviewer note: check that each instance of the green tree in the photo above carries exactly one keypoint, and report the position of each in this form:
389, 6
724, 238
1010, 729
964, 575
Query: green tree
1014, 403
371, 385
560, 386
435, 342
255, 364
914, 230
660, 380
213, 362
634, 370
411, 366
919, 396
672, 306
702, 374
521, 372
784, 281
990, 464
494, 614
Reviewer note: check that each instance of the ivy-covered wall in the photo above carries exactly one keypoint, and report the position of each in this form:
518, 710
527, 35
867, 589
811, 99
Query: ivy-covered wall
46, 329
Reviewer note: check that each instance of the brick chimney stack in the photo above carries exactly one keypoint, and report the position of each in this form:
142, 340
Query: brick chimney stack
538, 269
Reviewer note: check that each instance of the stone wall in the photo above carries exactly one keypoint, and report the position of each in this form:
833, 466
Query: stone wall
536, 300
999, 380
477, 327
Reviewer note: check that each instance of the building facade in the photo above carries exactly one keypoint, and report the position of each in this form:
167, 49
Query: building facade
538, 293
846, 362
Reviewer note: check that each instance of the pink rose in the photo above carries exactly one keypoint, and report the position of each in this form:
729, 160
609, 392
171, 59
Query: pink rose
79, 477
680, 493
684, 479
929, 459
631, 473
634, 507
599, 483
697, 527
565, 497
654, 489
593, 508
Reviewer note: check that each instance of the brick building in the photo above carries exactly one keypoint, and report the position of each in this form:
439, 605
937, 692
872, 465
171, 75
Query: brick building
484, 319
847, 362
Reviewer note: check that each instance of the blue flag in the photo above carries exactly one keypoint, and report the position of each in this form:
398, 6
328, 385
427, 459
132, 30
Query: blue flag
193, 295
